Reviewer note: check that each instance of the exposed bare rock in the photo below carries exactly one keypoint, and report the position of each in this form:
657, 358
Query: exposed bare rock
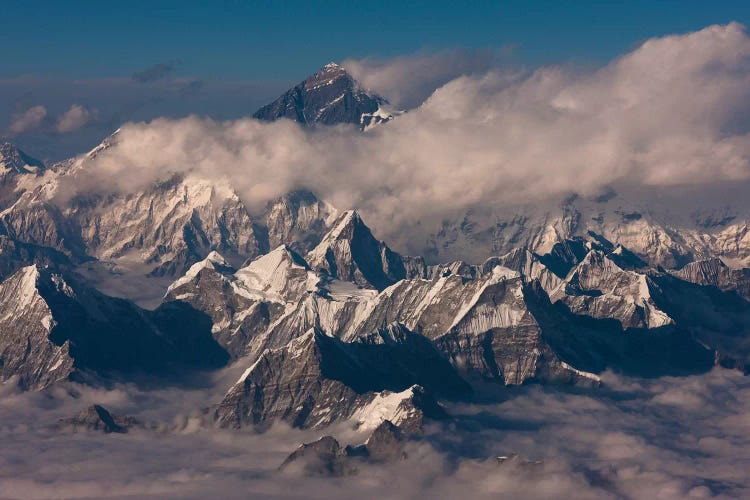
243, 304
349, 252
386, 443
330, 96
327, 457
26, 322
598, 287
317, 379
324, 457
52, 326
15, 255
713, 272
97, 418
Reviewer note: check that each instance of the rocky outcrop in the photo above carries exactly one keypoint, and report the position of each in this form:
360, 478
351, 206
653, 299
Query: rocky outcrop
53, 327
599, 288
243, 304
329, 97
713, 272
96, 418
326, 457
27, 352
14, 255
349, 252
316, 379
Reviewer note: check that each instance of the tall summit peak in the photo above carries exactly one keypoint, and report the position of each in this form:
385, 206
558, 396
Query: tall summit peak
331, 96
333, 66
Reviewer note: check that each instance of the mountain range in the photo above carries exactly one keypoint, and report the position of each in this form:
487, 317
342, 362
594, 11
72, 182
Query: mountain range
329, 322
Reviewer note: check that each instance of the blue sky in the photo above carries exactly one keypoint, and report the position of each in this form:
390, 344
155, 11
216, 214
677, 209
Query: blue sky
286, 40
226, 59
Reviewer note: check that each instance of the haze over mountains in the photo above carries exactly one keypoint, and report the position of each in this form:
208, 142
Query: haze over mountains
216, 245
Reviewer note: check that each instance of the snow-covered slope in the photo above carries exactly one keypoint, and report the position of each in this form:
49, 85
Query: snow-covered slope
669, 232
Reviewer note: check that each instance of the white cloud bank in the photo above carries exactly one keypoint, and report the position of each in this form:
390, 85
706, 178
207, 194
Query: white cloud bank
672, 112
408, 80
667, 438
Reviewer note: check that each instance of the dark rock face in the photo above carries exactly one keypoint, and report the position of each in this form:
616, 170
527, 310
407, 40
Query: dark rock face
349, 252
329, 97
386, 443
26, 350
54, 326
97, 418
713, 272
317, 379
326, 456
14, 255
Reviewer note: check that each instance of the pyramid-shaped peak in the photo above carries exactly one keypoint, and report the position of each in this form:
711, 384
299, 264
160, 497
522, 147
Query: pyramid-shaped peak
344, 225
213, 261
282, 253
12, 158
329, 97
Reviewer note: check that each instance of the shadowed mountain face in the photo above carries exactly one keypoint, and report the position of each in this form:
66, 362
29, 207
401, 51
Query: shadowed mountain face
329, 97
54, 328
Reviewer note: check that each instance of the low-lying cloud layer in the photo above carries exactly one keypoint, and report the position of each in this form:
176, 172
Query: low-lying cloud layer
672, 112
669, 438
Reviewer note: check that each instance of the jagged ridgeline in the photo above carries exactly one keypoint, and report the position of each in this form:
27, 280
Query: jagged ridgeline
329, 323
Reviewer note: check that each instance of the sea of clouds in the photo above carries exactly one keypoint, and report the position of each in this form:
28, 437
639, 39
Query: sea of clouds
668, 438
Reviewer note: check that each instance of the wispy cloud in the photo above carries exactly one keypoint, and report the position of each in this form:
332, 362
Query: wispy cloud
75, 117
408, 80
156, 72
27, 120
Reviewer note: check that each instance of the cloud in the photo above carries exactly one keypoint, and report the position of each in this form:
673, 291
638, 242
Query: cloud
634, 438
408, 80
77, 116
674, 112
30, 119
155, 72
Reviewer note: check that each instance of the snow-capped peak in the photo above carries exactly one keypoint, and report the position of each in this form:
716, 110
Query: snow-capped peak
278, 275
212, 261
13, 159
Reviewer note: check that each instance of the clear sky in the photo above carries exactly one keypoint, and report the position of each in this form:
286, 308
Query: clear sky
288, 39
